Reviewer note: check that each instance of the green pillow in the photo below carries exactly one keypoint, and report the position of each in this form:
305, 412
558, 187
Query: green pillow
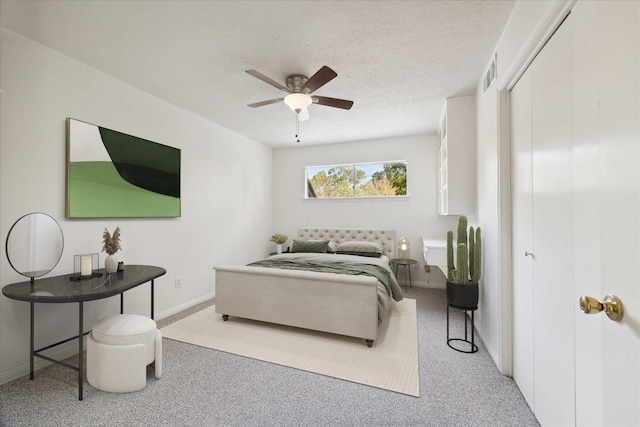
361, 248
369, 254
310, 246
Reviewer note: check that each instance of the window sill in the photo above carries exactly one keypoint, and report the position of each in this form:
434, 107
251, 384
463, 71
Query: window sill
358, 199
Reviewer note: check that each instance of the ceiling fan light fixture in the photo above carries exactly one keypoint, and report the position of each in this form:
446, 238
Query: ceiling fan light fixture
297, 101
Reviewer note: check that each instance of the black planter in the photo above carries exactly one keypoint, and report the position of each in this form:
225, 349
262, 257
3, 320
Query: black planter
463, 296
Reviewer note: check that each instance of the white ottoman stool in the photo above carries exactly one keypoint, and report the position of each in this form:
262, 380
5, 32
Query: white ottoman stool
118, 351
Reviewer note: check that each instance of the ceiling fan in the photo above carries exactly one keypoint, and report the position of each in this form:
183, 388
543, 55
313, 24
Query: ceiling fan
300, 88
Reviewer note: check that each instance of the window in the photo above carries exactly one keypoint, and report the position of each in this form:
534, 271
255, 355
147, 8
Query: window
385, 179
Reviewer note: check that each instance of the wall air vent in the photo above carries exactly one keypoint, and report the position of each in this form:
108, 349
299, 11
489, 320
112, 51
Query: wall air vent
490, 75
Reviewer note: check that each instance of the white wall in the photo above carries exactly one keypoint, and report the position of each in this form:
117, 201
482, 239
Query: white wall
411, 217
225, 191
488, 314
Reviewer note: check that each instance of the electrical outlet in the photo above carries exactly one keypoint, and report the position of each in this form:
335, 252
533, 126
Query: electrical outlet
178, 283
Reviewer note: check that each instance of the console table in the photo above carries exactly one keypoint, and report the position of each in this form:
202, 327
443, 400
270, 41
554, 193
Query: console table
63, 289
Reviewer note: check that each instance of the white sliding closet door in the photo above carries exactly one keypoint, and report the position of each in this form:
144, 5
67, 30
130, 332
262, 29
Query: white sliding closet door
542, 220
522, 211
554, 304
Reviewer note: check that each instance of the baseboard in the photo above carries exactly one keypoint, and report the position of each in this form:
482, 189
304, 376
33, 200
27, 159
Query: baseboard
421, 284
184, 306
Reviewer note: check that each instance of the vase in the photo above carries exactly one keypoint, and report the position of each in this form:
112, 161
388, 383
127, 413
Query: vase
279, 248
111, 263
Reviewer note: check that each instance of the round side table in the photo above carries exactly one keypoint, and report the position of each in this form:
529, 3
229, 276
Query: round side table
406, 263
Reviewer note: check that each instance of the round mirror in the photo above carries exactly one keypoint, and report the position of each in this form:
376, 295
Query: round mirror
34, 244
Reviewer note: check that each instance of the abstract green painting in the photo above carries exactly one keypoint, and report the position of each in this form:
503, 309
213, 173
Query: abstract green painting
114, 175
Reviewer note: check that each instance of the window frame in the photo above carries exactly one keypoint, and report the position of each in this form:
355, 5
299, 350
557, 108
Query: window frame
354, 166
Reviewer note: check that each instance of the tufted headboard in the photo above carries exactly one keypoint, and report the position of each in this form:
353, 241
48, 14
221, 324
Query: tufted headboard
387, 238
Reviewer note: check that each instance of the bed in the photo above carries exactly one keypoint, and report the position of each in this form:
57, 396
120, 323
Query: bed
349, 302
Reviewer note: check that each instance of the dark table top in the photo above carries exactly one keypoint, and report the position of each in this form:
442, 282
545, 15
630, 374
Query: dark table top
61, 289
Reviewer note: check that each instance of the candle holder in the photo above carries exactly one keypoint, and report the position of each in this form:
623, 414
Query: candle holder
85, 266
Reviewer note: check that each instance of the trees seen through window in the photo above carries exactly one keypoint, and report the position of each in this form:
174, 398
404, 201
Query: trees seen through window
357, 180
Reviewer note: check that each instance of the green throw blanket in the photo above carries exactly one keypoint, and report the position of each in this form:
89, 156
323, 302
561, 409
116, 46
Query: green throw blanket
336, 267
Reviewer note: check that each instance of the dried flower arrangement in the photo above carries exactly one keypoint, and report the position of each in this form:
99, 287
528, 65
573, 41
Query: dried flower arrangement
111, 244
279, 238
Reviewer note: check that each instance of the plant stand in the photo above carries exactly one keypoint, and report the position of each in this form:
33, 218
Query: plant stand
474, 347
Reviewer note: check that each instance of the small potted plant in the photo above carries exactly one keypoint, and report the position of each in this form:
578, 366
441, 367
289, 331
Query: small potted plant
463, 276
111, 245
279, 239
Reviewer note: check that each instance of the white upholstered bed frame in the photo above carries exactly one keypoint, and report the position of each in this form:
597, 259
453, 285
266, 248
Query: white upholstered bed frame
327, 302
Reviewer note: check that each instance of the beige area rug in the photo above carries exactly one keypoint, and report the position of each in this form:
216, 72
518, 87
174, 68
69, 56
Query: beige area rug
391, 364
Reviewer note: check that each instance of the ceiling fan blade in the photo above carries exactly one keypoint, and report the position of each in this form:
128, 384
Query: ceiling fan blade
266, 79
332, 102
260, 104
319, 79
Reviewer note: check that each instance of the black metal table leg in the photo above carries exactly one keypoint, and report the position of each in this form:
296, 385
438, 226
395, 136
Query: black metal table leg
447, 323
121, 302
465, 325
151, 298
31, 343
473, 345
80, 349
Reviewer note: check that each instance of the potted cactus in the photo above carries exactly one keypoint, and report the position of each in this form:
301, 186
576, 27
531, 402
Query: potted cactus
464, 274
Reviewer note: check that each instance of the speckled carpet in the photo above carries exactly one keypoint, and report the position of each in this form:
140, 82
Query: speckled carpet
204, 387
391, 364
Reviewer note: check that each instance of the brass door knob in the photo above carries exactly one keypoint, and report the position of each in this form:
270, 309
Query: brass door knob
611, 305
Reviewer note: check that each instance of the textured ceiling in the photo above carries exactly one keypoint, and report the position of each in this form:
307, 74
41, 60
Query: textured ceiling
397, 60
